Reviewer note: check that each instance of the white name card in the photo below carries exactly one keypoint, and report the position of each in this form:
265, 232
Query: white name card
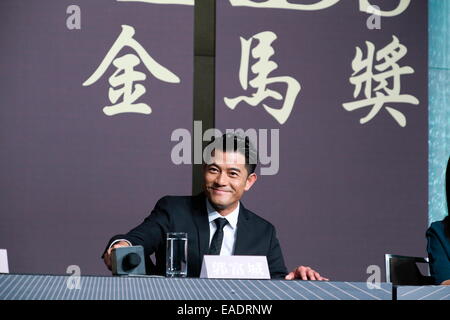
235, 267
3, 261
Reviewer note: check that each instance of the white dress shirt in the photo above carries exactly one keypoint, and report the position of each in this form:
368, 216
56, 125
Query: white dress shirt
229, 231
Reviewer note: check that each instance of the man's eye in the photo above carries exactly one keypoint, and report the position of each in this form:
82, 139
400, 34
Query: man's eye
212, 169
234, 174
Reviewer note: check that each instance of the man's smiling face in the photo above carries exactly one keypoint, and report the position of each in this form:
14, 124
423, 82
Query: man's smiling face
226, 179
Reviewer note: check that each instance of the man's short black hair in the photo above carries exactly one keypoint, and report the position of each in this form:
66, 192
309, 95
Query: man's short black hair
232, 142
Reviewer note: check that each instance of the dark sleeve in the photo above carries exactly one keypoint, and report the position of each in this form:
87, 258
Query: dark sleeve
275, 259
150, 233
438, 257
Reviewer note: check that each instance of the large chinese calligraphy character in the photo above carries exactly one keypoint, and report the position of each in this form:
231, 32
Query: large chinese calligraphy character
376, 85
262, 68
364, 5
122, 81
285, 4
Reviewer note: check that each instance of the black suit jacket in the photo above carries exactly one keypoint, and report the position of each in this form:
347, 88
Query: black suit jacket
255, 236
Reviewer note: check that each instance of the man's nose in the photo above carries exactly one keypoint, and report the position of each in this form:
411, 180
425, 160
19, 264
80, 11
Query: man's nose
221, 179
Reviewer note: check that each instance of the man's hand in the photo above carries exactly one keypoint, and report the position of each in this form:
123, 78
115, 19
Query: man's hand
445, 283
305, 273
107, 255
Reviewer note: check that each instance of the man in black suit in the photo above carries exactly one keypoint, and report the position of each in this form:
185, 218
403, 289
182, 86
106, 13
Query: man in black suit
216, 213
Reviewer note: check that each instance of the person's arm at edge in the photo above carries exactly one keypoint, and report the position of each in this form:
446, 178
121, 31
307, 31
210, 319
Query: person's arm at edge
148, 234
439, 263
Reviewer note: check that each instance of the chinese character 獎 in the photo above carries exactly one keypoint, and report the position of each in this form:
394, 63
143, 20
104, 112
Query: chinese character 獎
375, 79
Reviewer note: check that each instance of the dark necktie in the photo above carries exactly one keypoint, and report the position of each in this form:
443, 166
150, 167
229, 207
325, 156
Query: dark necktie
216, 242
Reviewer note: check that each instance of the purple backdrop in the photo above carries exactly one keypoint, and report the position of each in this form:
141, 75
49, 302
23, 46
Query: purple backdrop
71, 176
346, 193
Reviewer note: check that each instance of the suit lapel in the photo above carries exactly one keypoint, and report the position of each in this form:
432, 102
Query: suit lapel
243, 230
201, 220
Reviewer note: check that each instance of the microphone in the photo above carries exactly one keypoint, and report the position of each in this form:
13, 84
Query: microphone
131, 261
128, 260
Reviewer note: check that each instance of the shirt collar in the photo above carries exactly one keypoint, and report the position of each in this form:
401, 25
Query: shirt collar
232, 217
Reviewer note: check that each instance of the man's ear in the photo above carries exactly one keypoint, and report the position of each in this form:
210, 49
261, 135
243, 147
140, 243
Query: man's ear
251, 179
